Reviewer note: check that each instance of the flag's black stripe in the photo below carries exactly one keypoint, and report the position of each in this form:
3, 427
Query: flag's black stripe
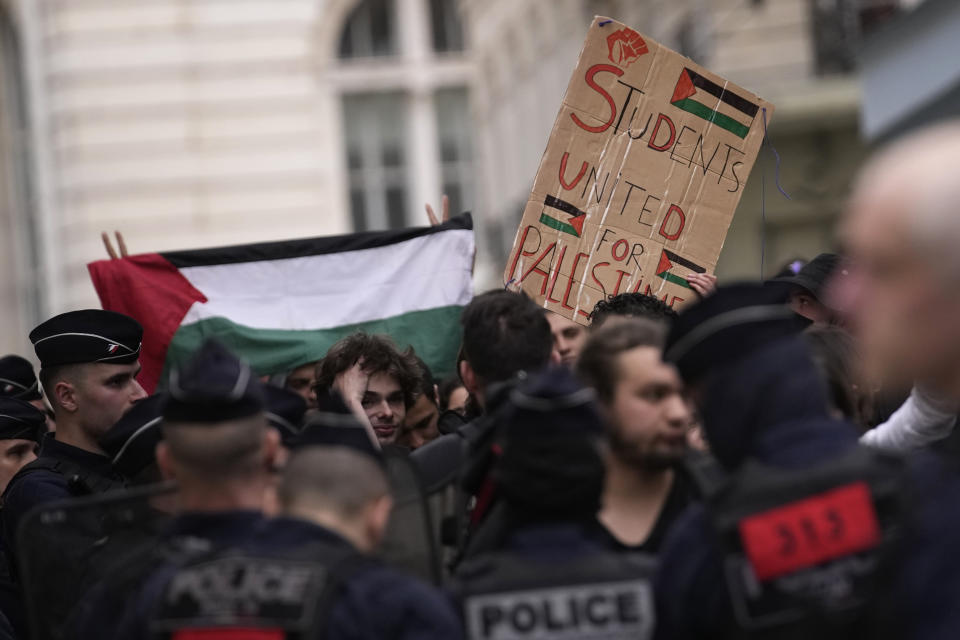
303, 247
732, 99
693, 266
563, 205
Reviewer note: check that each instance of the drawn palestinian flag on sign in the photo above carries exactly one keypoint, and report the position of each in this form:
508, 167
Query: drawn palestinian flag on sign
572, 223
283, 304
708, 100
667, 261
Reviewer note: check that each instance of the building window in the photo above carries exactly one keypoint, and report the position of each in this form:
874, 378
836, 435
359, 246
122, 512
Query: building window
838, 26
370, 31
376, 159
456, 154
409, 143
447, 29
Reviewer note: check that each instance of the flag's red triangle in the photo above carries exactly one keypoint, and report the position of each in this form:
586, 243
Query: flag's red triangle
684, 89
577, 223
664, 265
150, 289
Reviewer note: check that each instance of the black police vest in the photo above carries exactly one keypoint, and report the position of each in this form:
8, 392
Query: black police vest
240, 595
807, 553
506, 596
81, 481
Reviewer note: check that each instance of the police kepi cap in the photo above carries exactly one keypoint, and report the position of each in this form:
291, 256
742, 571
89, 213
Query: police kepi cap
131, 443
213, 386
549, 465
726, 326
20, 420
17, 379
285, 411
552, 403
336, 426
89, 335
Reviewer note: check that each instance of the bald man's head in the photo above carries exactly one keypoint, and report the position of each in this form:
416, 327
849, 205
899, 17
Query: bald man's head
902, 234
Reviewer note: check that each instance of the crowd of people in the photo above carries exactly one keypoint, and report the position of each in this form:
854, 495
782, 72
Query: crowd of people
775, 460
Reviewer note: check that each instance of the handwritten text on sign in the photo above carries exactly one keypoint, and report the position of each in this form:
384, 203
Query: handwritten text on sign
643, 171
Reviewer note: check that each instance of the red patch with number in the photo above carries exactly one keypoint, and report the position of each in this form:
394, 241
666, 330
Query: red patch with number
805, 533
229, 633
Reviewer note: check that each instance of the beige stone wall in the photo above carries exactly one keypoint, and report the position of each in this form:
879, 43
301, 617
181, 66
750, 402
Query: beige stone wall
17, 276
184, 123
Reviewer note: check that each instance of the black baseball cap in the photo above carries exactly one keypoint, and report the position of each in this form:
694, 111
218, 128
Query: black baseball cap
814, 275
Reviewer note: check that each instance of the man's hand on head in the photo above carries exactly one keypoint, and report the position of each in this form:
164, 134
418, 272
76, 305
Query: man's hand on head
352, 385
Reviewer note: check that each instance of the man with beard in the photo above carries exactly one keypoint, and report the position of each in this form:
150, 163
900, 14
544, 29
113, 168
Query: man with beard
374, 378
642, 400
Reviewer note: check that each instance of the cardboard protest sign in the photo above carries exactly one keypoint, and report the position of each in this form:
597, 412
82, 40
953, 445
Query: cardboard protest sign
638, 185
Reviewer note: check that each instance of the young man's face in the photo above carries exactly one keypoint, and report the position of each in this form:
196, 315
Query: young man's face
14, 454
103, 393
420, 425
648, 414
384, 406
568, 338
302, 381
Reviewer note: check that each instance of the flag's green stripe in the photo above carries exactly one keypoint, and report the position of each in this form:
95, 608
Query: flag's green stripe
675, 279
434, 334
559, 226
721, 120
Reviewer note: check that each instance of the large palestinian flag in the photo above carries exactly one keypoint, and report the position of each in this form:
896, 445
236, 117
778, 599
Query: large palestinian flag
283, 304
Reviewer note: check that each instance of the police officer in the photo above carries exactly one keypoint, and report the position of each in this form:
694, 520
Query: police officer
219, 449
285, 411
89, 363
307, 573
543, 575
504, 335
796, 543
131, 443
67, 548
17, 380
21, 425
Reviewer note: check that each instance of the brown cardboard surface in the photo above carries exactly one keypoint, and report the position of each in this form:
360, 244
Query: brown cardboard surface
640, 179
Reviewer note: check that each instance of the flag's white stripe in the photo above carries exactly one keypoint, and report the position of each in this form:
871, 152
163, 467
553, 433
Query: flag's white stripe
334, 289
708, 99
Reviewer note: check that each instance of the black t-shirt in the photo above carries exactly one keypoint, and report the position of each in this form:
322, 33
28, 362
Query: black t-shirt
679, 496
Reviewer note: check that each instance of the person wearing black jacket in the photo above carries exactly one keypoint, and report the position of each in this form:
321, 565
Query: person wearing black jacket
764, 543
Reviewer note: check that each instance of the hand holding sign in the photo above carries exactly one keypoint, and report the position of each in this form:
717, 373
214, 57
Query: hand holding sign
703, 284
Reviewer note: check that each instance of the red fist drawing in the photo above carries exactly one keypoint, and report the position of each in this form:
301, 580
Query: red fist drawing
625, 46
